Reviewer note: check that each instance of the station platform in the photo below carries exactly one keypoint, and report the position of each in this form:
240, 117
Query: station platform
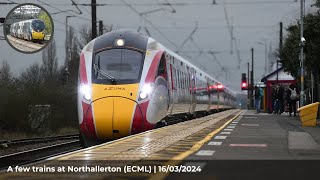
225, 145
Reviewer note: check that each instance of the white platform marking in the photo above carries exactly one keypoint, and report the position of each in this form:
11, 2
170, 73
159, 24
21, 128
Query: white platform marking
228, 129
220, 137
249, 117
225, 132
214, 143
250, 124
234, 122
231, 127
248, 145
205, 153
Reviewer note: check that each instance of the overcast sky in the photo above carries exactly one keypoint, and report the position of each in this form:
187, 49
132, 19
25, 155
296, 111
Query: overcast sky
253, 21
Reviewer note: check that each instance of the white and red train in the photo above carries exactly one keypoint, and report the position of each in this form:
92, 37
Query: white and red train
130, 83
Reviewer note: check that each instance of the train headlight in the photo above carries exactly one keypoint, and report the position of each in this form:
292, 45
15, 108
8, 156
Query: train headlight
145, 91
119, 42
85, 91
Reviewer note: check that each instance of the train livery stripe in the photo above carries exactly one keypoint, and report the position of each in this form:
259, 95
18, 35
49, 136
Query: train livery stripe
87, 126
83, 72
140, 124
153, 68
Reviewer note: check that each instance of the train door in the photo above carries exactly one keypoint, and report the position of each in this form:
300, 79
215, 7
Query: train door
169, 66
209, 94
192, 90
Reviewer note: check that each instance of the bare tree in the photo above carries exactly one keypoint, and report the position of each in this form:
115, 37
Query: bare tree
49, 66
5, 74
32, 79
85, 37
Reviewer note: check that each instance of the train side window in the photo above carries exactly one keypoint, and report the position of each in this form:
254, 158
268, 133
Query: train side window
180, 83
176, 78
186, 81
162, 66
178, 72
182, 80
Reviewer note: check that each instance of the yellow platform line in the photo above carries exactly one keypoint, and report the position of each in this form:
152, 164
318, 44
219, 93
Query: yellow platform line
178, 158
107, 144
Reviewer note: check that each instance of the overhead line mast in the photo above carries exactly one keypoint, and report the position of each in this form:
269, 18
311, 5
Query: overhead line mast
94, 19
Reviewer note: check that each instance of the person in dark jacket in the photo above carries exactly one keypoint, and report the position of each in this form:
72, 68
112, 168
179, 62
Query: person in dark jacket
292, 100
258, 93
278, 99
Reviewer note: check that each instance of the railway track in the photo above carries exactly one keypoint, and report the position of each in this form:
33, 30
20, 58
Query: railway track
7, 143
24, 45
37, 154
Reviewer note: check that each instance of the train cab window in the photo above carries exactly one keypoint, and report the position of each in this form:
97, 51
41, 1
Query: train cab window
117, 66
37, 25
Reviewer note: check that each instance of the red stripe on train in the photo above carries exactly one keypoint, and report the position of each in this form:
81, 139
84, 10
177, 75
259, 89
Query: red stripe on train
139, 123
83, 72
87, 125
153, 68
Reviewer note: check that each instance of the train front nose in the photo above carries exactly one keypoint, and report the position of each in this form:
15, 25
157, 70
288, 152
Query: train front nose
113, 113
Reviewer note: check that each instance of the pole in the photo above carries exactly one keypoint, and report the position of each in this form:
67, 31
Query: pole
93, 19
301, 55
265, 57
66, 41
312, 87
100, 28
280, 50
248, 80
252, 76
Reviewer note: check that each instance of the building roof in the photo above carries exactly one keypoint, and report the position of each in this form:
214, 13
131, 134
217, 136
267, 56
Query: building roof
281, 75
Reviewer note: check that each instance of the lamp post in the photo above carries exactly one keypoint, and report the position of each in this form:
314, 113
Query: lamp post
264, 42
252, 77
302, 42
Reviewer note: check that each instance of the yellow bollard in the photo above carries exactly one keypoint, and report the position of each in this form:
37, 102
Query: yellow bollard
308, 114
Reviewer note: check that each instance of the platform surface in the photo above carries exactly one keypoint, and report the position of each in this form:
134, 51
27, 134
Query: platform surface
228, 145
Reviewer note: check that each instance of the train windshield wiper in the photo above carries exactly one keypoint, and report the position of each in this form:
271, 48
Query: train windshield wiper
104, 74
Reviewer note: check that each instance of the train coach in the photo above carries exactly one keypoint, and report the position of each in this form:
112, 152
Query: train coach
31, 30
130, 83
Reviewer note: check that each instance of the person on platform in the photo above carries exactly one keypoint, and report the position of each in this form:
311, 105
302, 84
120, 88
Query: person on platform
278, 96
257, 97
292, 98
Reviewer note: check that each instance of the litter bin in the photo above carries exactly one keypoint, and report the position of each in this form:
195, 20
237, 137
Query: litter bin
308, 114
